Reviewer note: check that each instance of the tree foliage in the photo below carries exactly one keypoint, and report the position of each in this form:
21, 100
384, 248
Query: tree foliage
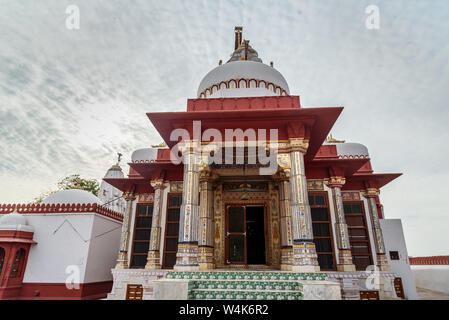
73, 181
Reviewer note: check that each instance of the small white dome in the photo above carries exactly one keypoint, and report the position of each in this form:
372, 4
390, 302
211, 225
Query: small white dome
71, 196
144, 155
13, 219
114, 172
243, 69
349, 150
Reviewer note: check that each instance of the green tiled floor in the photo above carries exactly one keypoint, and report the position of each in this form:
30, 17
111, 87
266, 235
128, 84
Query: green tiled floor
245, 285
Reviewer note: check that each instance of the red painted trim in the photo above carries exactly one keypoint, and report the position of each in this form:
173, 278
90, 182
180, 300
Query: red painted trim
430, 261
59, 291
61, 208
244, 103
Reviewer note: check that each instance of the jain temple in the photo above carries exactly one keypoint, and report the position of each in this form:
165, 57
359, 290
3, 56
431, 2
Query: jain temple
247, 197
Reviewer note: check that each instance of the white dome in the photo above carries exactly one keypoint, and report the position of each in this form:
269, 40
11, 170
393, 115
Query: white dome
114, 172
13, 219
243, 69
71, 196
144, 155
351, 150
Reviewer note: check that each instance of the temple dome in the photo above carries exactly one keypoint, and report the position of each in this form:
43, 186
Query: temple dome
243, 78
71, 196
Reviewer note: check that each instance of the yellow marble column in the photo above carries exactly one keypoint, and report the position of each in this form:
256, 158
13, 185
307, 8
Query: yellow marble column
153, 259
382, 262
341, 228
305, 258
122, 261
206, 224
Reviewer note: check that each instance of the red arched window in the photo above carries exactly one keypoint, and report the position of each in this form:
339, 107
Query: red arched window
17, 265
2, 259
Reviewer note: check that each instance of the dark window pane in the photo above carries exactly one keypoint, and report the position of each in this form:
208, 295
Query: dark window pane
143, 210
355, 221
357, 234
321, 230
141, 247
311, 200
173, 215
236, 248
359, 247
142, 235
394, 255
170, 260
356, 208
175, 201
326, 261
172, 229
319, 214
236, 219
361, 262
143, 222
319, 201
347, 208
171, 244
323, 245
139, 261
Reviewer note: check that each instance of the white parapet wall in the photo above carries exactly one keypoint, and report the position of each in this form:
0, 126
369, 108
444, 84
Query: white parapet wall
434, 278
395, 242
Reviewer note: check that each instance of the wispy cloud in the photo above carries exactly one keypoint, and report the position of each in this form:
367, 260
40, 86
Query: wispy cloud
70, 99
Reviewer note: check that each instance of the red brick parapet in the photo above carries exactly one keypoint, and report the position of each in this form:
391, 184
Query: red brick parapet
60, 208
246, 103
429, 261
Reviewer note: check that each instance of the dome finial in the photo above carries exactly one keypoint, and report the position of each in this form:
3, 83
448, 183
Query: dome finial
119, 158
238, 36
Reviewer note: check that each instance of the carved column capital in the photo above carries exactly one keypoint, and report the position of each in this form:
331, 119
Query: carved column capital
335, 182
129, 196
299, 144
371, 192
157, 183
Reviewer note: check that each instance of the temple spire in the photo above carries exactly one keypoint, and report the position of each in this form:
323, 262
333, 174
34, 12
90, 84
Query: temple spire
238, 36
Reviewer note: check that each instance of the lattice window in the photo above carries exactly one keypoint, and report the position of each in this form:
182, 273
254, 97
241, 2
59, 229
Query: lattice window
142, 232
322, 230
174, 202
358, 234
17, 265
2, 259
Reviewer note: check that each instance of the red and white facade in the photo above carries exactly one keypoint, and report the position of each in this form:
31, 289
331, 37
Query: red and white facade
58, 250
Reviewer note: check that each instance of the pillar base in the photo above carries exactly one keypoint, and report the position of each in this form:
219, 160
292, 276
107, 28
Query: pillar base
206, 258
346, 267
187, 257
382, 262
345, 259
304, 257
286, 267
153, 261
122, 261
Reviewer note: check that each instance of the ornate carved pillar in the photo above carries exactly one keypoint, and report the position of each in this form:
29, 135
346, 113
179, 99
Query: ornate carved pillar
187, 255
341, 228
153, 259
382, 262
286, 223
122, 261
304, 251
206, 223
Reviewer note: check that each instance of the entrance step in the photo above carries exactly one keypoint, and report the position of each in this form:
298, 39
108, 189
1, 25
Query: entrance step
245, 285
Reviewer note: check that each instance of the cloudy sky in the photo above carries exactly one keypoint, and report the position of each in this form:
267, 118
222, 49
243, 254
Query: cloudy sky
70, 99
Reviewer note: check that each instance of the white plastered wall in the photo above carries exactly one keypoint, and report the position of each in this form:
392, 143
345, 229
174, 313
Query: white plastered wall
64, 240
394, 241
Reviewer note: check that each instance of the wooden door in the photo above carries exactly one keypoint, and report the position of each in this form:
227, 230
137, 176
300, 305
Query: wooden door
398, 287
236, 235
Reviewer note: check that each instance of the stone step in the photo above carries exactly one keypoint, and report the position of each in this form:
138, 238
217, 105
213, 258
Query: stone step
244, 295
245, 275
247, 284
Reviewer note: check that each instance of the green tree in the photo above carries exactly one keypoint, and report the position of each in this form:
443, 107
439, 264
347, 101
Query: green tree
73, 181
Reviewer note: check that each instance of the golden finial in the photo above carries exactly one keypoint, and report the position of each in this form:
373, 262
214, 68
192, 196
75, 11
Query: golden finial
160, 145
331, 139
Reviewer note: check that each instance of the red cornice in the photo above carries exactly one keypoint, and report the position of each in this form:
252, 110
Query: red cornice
60, 208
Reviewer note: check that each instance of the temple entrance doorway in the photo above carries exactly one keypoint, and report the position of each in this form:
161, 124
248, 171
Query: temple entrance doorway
245, 235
